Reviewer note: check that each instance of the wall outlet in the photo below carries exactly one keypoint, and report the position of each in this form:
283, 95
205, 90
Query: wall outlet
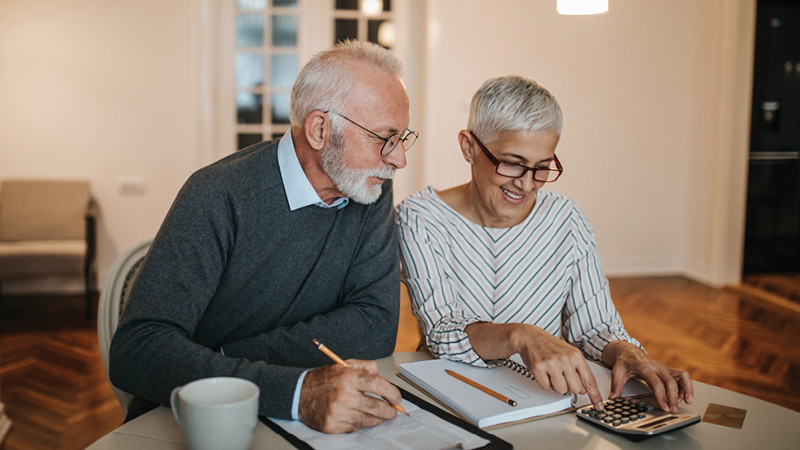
132, 185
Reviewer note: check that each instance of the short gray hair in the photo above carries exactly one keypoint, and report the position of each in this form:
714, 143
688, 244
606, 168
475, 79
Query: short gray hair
327, 78
512, 103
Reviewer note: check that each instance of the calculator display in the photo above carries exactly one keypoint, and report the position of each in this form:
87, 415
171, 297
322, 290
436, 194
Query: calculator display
655, 424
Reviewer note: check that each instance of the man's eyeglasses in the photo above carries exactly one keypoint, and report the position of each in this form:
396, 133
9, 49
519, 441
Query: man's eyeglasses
512, 170
389, 143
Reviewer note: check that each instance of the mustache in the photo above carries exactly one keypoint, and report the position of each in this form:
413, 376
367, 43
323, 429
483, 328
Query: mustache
386, 173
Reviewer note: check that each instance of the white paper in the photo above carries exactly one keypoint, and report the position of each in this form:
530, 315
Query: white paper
476, 406
419, 429
483, 410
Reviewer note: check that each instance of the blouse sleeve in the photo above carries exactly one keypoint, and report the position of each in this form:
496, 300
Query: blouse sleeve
590, 318
433, 298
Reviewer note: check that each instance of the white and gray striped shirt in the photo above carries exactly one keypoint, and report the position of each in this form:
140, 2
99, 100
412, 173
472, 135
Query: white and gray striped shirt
544, 271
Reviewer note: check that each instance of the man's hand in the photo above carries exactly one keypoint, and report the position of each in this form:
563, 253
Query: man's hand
669, 385
334, 398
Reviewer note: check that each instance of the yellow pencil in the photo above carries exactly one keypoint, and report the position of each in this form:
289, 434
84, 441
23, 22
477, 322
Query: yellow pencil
340, 361
485, 389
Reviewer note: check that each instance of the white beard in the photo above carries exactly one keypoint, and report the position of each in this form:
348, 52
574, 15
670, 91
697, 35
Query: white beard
351, 182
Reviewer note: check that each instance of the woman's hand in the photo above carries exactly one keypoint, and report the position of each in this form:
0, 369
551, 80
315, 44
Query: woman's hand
628, 361
554, 363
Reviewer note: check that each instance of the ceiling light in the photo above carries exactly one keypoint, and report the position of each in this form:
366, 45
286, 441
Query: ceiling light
581, 7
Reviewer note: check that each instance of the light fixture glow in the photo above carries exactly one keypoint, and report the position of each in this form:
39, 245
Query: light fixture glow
581, 7
371, 7
386, 34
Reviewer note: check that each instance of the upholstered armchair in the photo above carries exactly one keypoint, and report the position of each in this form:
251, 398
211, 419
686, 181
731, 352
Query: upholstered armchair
47, 229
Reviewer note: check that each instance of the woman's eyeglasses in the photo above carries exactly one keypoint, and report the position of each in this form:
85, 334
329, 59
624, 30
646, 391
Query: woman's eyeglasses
512, 170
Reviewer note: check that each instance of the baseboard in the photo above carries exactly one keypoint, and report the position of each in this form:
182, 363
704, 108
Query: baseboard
42, 287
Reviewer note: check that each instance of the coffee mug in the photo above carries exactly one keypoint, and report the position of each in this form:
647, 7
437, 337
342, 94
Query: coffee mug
216, 413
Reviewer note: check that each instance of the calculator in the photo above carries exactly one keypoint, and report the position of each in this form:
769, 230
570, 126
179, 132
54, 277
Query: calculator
636, 418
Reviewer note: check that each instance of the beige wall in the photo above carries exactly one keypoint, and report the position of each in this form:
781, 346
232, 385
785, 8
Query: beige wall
649, 91
652, 94
104, 90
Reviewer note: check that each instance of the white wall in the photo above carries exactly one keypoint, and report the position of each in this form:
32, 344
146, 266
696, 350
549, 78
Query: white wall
635, 86
652, 94
104, 90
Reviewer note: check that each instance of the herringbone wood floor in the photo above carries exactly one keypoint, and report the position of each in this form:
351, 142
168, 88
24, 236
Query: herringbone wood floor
51, 375
55, 391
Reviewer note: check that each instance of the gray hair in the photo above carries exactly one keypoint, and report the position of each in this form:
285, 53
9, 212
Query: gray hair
327, 79
512, 103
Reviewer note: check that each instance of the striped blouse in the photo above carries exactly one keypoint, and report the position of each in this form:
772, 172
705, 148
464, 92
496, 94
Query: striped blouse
544, 271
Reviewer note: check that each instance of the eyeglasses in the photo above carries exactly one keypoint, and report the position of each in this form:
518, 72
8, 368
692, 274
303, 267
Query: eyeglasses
389, 143
512, 170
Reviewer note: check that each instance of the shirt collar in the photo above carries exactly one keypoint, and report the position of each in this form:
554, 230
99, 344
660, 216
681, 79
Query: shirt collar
299, 190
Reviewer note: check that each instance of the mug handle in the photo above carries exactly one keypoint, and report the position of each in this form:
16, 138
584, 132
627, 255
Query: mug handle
173, 403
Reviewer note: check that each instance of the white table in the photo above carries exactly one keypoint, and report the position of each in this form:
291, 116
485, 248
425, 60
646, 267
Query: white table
766, 426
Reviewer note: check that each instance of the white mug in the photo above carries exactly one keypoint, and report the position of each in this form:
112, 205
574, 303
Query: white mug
216, 413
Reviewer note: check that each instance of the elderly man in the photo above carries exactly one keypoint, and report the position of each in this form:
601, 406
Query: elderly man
276, 245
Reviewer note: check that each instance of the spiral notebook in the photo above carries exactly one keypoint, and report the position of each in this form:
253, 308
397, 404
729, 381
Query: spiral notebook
511, 379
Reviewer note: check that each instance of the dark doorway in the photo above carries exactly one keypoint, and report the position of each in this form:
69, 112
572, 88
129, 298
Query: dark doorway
772, 230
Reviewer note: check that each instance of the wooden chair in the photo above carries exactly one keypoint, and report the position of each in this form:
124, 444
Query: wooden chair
113, 298
47, 228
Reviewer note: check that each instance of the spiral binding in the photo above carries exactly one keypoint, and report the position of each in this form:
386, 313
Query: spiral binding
515, 366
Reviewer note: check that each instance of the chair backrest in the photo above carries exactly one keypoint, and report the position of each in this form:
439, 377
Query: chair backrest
112, 302
43, 209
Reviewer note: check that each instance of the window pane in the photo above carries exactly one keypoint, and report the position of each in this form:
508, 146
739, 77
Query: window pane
387, 5
283, 69
249, 69
346, 4
247, 139
346, 29
284, 30
249, 108
372, 30
251, 4
277, 136
249, 30
279, 104
285, 3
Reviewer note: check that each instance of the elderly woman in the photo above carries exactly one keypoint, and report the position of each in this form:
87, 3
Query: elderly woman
498, 266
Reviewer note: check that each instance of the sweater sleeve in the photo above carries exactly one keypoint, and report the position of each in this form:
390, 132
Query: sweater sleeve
590, 318
152, 351
364, 325
433, 297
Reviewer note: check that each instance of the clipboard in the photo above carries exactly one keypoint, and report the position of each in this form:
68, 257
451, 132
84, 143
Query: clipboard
495, 443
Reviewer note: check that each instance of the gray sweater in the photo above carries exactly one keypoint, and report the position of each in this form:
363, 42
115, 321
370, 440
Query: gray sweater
233, 267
